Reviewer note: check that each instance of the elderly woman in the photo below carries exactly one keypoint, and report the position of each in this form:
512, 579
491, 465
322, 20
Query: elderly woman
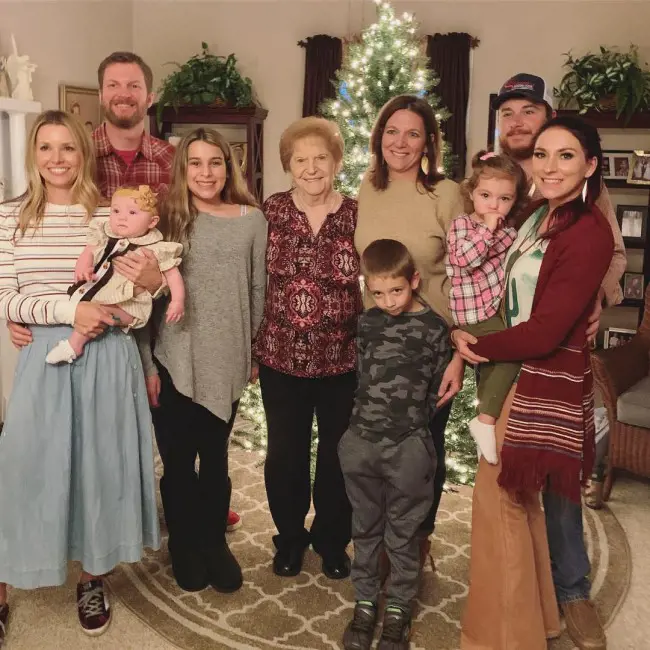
403, 196
306, 347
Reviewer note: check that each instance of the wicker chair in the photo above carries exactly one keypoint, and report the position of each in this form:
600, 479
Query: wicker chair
616, 371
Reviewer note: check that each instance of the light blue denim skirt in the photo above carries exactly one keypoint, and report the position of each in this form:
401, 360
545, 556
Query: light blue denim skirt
76, 462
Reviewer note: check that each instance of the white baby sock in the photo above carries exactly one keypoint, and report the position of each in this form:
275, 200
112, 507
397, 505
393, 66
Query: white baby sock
61, 352
485, 438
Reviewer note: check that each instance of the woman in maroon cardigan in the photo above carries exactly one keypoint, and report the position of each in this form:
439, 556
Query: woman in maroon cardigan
545, 433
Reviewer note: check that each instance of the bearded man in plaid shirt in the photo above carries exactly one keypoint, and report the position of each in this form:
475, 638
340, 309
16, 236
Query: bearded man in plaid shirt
126, 154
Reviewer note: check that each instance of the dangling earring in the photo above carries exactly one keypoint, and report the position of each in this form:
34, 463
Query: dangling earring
424, 164
584, 191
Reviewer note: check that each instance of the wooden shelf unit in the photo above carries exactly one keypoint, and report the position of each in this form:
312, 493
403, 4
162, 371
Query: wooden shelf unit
608, 120
252, 118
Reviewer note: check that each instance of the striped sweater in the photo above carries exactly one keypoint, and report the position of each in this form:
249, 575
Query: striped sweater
37, 268
550, 431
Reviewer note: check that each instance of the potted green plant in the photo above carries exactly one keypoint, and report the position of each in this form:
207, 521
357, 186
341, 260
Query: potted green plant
609, 80
203, 80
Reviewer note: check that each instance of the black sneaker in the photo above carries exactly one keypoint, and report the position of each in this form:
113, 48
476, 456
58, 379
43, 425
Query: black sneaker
396, 630
360, 630
4, 616
93, 607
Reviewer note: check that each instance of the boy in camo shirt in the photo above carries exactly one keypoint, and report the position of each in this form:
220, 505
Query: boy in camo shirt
387, 455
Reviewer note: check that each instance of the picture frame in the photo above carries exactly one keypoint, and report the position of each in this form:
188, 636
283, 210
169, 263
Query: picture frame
617, 336
633, 221
616, 165
639, 173
633, 286
82, 101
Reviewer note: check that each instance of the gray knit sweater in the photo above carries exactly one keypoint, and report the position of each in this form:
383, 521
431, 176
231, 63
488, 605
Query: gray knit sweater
208, 354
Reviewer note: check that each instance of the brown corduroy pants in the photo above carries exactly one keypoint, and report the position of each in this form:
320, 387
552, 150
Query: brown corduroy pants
511, 603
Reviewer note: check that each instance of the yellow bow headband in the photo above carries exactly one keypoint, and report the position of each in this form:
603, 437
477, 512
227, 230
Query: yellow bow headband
143, 195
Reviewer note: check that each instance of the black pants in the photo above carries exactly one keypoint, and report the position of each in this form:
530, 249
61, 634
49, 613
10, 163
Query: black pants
290, 403
195, 504
437, 427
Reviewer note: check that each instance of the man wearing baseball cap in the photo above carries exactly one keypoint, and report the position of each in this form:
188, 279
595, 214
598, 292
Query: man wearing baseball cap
523, 105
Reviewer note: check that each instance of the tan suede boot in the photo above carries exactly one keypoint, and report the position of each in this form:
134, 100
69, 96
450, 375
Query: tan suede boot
583, 625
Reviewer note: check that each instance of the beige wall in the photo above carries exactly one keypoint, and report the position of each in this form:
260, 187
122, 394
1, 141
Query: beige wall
67, 40
515, 36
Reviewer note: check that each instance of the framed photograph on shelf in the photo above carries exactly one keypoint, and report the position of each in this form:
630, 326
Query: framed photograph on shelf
633, 286
615, 337
633, 220
82, 102
616, 165
639, 173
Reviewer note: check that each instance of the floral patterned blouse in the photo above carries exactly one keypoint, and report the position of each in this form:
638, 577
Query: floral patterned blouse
313, 295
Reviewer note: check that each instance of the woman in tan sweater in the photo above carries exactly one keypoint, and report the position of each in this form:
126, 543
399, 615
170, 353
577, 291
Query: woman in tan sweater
404, 196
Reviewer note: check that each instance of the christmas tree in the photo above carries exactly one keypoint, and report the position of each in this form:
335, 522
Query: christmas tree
386, 62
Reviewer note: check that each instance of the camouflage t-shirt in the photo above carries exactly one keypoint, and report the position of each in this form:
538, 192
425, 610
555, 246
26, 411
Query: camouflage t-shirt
401, 360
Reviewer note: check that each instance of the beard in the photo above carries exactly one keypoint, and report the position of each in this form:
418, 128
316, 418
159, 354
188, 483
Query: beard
124, 122
520, 153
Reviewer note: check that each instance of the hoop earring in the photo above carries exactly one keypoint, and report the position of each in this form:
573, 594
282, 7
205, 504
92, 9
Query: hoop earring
424, 164
584, 191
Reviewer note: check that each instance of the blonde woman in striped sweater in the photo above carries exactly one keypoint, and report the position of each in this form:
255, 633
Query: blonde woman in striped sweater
76, 460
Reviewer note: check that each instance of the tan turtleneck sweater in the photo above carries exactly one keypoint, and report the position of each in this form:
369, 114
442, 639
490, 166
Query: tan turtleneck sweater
419, 220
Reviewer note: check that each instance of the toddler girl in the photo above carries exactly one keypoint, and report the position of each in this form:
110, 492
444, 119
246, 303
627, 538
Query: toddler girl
477, 244
131, 225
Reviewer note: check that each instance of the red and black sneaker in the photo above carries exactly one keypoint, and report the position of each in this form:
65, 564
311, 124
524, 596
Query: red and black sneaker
4, 616
93, 607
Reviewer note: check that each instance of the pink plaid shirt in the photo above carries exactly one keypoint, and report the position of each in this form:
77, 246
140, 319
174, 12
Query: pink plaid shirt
151, 165
475, 266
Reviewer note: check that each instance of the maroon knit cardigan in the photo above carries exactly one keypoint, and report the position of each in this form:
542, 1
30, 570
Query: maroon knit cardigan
550, 432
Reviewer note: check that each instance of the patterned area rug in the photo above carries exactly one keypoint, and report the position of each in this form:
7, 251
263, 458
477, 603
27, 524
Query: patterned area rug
310, 611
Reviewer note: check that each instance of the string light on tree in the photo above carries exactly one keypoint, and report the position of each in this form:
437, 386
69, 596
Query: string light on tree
386, 62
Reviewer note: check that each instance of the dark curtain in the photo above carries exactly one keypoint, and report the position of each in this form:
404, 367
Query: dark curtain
449, 58
324, 56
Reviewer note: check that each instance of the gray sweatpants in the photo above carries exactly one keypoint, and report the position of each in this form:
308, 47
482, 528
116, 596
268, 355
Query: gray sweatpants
390, 487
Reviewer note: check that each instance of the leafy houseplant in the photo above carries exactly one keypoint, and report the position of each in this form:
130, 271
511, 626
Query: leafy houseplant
203, 80
610, 80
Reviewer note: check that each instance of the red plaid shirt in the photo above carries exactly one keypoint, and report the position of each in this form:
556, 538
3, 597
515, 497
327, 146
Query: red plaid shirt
151, 165
475, 266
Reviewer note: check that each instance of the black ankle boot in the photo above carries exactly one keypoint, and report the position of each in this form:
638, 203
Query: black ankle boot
224, 572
